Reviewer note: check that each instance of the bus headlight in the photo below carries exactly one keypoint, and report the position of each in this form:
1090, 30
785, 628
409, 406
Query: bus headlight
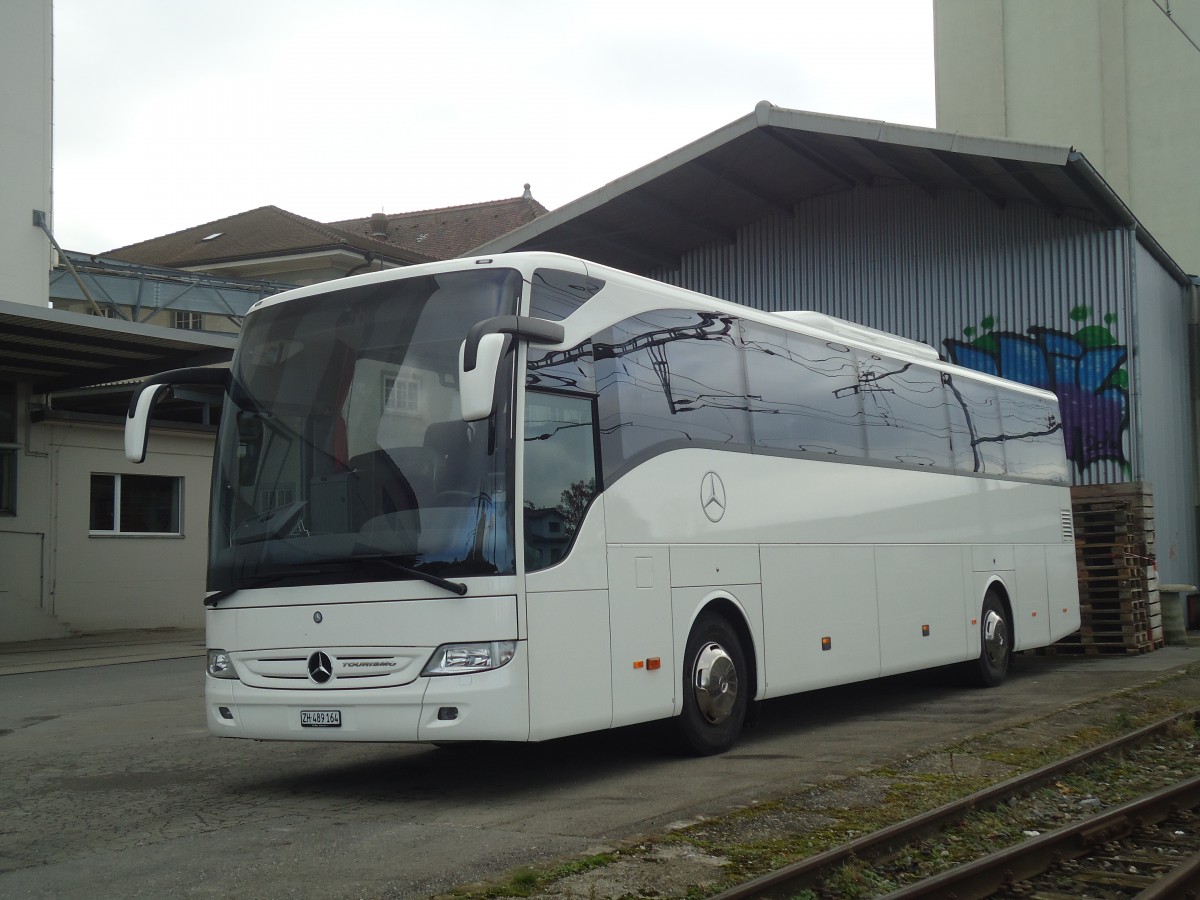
220, 665
462, 659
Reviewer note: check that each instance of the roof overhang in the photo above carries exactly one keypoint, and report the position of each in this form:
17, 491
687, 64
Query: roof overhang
773, 159
53, 349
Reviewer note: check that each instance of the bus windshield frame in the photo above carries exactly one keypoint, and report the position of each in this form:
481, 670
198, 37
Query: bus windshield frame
342, 454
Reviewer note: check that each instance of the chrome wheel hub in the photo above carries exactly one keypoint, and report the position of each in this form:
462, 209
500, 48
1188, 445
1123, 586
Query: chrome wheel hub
715, 683
995, 638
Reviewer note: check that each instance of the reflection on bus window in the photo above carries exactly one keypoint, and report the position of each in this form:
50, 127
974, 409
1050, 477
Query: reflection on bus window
904, 410
668, 379
560, 474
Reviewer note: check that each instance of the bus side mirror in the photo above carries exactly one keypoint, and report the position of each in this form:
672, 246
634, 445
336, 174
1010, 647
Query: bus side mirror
477, 386
137, 424
479, 358
153, 389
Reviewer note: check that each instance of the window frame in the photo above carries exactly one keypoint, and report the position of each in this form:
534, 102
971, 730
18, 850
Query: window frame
177, 482
8, 478
194, 320
10, 448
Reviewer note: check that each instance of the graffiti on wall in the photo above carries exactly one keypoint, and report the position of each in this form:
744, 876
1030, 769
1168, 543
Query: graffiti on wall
1086, 369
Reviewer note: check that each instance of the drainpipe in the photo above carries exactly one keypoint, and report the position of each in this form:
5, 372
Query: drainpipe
39, 221
1194, 372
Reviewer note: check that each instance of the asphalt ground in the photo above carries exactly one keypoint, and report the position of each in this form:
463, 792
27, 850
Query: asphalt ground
113, 788
101, 649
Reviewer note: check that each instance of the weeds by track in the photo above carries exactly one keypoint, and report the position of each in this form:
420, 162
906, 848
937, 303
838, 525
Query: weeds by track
1117, 853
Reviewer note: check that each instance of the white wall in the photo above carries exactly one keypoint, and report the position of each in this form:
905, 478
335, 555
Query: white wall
1116, 79
25, 148
56, 578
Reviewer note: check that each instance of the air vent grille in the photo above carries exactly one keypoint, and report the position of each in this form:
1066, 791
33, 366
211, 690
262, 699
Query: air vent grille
1068, 527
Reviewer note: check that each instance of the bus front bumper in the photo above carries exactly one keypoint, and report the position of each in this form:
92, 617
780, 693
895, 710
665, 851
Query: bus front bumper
491, 706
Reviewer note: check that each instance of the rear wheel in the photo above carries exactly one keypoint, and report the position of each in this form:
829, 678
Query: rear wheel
715, 689
995, 639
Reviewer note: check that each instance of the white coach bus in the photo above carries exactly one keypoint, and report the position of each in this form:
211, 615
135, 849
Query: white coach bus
526, 496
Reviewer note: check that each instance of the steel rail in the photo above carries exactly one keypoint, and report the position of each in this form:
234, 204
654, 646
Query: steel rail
879, 843
985, 876
1182, 881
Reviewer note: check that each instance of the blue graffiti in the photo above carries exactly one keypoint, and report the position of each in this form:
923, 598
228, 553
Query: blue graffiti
1084, 369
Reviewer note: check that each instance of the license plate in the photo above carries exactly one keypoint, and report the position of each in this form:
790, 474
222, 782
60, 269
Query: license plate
321, 718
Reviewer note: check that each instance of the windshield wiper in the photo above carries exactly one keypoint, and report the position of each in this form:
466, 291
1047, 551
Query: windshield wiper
258, 581
389, 560
385, 559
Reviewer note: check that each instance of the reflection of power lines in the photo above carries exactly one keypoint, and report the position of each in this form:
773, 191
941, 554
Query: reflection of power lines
658, 362
868, 382
546, 435
710, 327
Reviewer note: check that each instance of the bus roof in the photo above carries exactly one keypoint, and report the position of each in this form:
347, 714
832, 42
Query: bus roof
809, 322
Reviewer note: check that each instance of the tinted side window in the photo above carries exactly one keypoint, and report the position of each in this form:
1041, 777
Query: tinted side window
1033, 438
904, 409
803, 393
666, 379
555, 294
976, 429
560, 473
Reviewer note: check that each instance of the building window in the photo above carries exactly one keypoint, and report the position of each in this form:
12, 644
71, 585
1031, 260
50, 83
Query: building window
135, 504
189, 321
107, 312
8, 449
401, 395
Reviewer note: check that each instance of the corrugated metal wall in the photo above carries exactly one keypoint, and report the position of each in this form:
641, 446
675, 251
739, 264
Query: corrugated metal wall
1162, 403
1015, 291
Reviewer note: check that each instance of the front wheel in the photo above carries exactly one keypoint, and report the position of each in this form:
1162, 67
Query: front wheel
715, 688
995, 638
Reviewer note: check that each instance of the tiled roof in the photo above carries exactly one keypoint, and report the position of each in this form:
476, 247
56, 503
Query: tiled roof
452, 230
264, 232
269, 231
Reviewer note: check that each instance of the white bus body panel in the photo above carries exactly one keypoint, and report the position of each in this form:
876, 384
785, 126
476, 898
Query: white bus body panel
837, 560
570, 652
819, 592
640, 614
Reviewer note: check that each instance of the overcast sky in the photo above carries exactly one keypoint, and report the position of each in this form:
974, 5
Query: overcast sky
169, 115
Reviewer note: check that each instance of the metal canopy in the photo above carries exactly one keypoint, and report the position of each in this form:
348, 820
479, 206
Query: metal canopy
769, 161
53, 349
138, 292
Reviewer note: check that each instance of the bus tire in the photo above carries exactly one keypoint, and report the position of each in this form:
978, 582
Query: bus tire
715, 688
995, 642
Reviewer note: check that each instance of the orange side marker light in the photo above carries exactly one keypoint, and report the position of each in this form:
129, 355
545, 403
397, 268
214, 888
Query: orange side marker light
653, 663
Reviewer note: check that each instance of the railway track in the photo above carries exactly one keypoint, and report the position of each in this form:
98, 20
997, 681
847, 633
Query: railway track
1148, 847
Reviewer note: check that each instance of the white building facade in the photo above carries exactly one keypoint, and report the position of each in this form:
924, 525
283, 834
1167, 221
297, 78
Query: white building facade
86, 542
1116, 79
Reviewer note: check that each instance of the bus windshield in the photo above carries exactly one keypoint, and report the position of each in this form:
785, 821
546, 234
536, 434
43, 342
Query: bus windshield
343, 456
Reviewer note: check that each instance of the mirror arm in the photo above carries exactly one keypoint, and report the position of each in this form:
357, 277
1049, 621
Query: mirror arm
149, 392
539, 331
198, 375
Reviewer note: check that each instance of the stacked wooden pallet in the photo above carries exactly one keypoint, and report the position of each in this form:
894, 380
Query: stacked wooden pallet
1118, 588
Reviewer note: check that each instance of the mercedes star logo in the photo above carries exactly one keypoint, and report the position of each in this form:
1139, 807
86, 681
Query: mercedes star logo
712, 496
320, 667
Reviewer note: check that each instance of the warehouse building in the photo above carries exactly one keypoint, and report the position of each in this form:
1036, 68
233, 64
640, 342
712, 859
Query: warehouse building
1012, 258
